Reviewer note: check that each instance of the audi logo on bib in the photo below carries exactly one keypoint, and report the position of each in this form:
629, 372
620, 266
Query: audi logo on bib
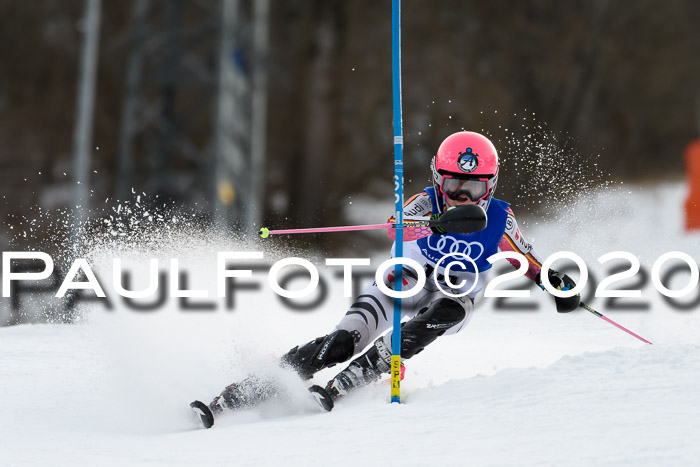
445, 245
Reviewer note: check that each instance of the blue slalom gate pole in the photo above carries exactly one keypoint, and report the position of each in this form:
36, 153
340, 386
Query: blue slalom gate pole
398, 196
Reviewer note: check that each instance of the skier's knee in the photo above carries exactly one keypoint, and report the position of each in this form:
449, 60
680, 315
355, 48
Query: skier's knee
444, 312
320, 353
430, 324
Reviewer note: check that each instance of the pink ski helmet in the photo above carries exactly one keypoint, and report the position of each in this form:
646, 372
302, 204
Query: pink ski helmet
466, 166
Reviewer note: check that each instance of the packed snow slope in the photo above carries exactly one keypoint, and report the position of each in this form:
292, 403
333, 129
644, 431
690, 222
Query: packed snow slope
513, 388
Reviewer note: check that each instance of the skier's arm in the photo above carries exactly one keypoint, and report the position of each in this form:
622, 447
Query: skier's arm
418, 208
513, 240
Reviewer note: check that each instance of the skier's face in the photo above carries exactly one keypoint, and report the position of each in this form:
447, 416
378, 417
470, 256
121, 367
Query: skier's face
461, 191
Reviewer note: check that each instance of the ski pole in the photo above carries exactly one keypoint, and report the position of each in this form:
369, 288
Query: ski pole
398, 194
265, 232
461, 219
600, 315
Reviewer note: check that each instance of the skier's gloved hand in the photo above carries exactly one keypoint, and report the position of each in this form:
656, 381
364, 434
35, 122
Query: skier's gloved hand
437, 230
561, 282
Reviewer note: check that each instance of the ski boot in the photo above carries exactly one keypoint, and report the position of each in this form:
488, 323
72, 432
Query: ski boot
429, 324
250, 392
362, 371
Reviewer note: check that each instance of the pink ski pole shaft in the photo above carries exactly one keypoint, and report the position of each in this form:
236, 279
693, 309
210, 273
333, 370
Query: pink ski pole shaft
600, 315
265, 232
461, 219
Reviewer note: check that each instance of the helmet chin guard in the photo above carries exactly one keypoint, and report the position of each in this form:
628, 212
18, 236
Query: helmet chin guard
466, 155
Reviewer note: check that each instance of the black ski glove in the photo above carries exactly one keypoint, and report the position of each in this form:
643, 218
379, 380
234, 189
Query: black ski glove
561, 282
437, 230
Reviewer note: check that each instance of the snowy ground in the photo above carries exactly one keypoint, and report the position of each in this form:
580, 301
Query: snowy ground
513, 388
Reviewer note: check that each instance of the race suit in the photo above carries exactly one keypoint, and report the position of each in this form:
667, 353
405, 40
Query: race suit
371, 314
426, 315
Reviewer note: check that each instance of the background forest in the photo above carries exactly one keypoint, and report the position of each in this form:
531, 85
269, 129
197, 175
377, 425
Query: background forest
601, 91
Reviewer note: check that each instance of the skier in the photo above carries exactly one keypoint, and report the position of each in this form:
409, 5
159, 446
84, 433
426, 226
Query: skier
464, 171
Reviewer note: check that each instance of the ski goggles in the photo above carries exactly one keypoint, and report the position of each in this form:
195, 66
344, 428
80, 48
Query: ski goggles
475, 189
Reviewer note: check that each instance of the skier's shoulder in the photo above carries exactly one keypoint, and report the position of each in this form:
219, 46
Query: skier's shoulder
418, 205
500, 205
422, 195
512, 229
498, 214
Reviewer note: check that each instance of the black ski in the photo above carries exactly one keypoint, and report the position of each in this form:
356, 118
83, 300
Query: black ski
205, 416
322, 397
203, 413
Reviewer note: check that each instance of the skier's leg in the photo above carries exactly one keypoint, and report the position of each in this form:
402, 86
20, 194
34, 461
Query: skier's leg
444, 315
430, 323
366, 319
320, 353
371, 315
306, 360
